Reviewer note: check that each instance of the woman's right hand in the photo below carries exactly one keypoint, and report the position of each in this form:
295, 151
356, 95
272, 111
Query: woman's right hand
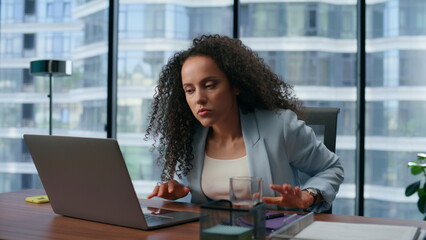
170, 190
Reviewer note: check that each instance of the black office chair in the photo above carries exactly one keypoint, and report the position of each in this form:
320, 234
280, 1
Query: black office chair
324, 123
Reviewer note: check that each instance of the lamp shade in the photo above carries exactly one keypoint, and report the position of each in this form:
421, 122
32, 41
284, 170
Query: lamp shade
46, 67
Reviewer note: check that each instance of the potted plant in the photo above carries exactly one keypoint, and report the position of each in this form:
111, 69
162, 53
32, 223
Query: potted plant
418, 167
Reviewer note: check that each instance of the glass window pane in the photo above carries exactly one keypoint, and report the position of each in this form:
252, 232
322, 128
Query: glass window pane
312, 45
79, 101
395, 129
149, 34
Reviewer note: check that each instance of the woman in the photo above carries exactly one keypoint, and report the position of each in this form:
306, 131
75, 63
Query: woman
218, 112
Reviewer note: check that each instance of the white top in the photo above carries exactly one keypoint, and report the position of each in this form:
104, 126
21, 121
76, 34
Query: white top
216, 174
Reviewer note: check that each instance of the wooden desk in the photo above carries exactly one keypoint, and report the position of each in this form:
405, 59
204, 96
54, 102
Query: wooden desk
22, 220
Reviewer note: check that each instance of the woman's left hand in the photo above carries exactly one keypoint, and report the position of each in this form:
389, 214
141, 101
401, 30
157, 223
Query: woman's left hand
290, 197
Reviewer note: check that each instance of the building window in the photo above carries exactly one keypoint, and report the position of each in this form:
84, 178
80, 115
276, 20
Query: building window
28, 45
29, 7
27, 115
27, 78
49, 10
312, 20
29, 40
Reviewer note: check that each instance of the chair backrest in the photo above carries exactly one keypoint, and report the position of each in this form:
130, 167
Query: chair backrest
324, 123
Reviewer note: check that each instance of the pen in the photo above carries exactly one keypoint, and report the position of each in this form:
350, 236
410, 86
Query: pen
275, 215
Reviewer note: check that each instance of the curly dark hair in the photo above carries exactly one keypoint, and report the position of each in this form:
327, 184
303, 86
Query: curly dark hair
172, 123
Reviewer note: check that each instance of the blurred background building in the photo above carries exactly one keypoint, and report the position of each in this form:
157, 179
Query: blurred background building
310, 44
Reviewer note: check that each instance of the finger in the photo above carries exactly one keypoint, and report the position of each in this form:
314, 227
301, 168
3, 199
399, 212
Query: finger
186, 190
292, 190
154, 192
182, 191
297, 191
162, 191
272, 200
288, 189
171, 186
283, 190
256, 195
277, 188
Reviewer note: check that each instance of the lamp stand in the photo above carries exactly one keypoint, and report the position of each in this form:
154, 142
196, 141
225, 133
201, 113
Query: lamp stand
51, 67
50, 102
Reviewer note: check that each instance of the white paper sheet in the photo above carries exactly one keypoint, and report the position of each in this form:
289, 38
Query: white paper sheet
337, 231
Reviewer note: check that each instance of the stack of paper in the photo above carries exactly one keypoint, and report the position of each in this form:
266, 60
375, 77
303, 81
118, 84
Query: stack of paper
348, 231
319, 230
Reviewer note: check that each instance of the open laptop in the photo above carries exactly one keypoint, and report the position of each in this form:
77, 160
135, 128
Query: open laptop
87, 178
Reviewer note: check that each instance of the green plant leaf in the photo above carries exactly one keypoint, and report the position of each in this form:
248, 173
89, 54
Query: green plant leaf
412, 188
421, 204
421, 156
416, 170
421, 192
412, 163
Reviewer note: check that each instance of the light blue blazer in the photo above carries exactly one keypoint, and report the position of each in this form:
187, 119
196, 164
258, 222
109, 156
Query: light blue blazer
277, 146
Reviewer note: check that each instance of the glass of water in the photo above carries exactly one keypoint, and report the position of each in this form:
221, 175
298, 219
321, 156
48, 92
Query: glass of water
245, 192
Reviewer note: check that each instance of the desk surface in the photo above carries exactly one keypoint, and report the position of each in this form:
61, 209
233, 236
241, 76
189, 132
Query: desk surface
22, 220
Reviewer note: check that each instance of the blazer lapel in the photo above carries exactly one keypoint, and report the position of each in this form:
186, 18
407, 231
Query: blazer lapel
256, 151
256, 154
194, 175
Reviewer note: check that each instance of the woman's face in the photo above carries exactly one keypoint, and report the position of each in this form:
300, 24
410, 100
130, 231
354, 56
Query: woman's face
208, 91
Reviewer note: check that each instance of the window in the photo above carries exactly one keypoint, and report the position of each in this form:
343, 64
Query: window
149, 34
392, 115
66, 9
95, 29
213, 20
263, 20
27, 78
348, 69
29, 41
312, 20
311, 45
30, 7
310, 65
49, 9
28, 45
27, 114
80, 110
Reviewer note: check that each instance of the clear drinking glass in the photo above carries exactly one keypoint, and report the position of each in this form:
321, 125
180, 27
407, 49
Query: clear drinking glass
245, 192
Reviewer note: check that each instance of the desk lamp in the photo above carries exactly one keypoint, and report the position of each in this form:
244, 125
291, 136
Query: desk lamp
51, 68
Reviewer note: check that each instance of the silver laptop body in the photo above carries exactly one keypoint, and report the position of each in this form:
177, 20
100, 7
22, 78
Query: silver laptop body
87, 178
